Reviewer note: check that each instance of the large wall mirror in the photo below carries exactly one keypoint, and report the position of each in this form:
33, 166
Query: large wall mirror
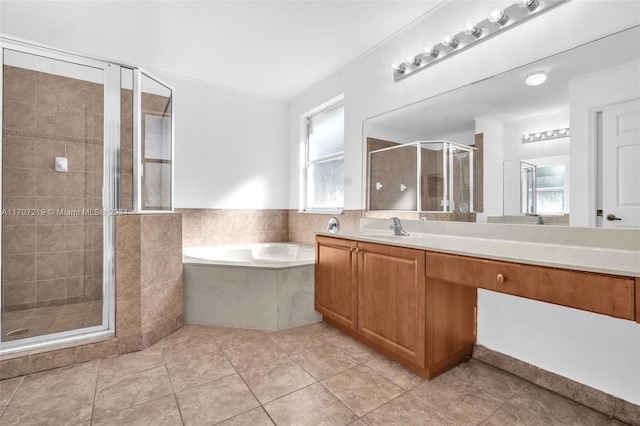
525, 137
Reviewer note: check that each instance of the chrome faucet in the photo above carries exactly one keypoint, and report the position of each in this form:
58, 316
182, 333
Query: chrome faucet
397, 227
540, 220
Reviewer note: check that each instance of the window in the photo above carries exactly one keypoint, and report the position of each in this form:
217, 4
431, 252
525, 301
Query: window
323, 179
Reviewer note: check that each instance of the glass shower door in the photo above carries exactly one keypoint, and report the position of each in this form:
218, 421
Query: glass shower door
54, 199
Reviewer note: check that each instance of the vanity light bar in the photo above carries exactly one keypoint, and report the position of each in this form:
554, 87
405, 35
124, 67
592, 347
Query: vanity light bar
499, 20
546, 135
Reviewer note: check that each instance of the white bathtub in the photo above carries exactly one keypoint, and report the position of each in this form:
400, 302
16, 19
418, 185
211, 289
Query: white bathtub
263, 255
267, 286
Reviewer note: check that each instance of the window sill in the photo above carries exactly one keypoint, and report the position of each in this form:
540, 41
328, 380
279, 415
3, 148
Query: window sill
322, 211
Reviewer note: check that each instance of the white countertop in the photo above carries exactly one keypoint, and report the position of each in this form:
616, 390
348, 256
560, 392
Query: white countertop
589, 258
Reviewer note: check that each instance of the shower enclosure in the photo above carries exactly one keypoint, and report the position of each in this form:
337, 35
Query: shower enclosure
424, 176
83, 141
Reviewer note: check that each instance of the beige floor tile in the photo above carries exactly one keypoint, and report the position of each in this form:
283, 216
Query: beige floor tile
215, 401
188, 330
56, 381
235, 336
68, 408
362, 389
255, 352
255, 417
535, 406
407, 410
124, 392
198, 370
355, 349
7, 390
162, 411
275, 379
295, 341
313, 405
469, 393
188, 347
325, 361
123, 365
395, 372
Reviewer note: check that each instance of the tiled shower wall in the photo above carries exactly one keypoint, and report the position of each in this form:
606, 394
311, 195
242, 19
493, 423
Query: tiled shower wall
204, 227
148, 278
148, 296
54, 258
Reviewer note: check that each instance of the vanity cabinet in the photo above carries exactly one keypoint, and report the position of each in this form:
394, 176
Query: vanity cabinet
600, 293
336, 290
380, 295
391, 299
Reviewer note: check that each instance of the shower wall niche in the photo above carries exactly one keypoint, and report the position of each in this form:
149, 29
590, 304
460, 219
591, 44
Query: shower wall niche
425, 176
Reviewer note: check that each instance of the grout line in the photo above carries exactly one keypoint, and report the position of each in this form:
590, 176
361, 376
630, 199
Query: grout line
4, 410
95, 392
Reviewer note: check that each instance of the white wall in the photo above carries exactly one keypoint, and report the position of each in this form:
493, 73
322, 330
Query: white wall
369, 88
596, 350
547, 152
587, 96
592, 349
514, 149
492, 160
231, 148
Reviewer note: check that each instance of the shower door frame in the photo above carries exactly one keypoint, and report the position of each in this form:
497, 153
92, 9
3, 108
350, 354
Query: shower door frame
111, 172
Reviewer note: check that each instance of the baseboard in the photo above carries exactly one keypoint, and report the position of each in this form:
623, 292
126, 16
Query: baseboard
593, 398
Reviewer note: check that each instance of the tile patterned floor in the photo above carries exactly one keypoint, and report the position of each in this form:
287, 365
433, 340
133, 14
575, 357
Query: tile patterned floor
52, 319
311, 375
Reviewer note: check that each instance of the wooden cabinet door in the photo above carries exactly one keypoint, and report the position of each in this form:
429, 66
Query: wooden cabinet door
336, 288
391, 299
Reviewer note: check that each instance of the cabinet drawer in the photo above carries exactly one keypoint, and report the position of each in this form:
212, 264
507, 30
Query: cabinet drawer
603, 294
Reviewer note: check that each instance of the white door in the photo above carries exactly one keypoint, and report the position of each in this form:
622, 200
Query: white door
621, 165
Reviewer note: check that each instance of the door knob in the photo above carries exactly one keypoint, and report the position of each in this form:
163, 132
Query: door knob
612, 217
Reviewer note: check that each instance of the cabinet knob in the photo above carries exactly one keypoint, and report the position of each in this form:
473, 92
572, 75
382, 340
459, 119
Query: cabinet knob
500, 278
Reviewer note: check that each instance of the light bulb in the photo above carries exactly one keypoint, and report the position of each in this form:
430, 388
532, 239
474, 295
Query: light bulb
497, 16
450, 41
550, 133
472, 29
529, 4
563, 132
400, 69
538, 136
431, 51
527, 137
414, 60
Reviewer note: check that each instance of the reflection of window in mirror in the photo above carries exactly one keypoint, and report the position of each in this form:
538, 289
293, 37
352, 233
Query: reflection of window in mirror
550, 193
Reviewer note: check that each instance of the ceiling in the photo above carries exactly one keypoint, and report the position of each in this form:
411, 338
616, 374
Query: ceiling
272, 48
506, 97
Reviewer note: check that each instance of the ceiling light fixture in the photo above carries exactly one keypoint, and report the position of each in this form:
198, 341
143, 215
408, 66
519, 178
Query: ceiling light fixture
535, 78
546, 135
499, 20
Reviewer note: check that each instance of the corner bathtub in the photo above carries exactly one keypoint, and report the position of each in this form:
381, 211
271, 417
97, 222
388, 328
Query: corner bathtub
267, 286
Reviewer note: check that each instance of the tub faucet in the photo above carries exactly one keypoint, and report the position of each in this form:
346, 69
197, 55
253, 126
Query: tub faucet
397, 227
540, 220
